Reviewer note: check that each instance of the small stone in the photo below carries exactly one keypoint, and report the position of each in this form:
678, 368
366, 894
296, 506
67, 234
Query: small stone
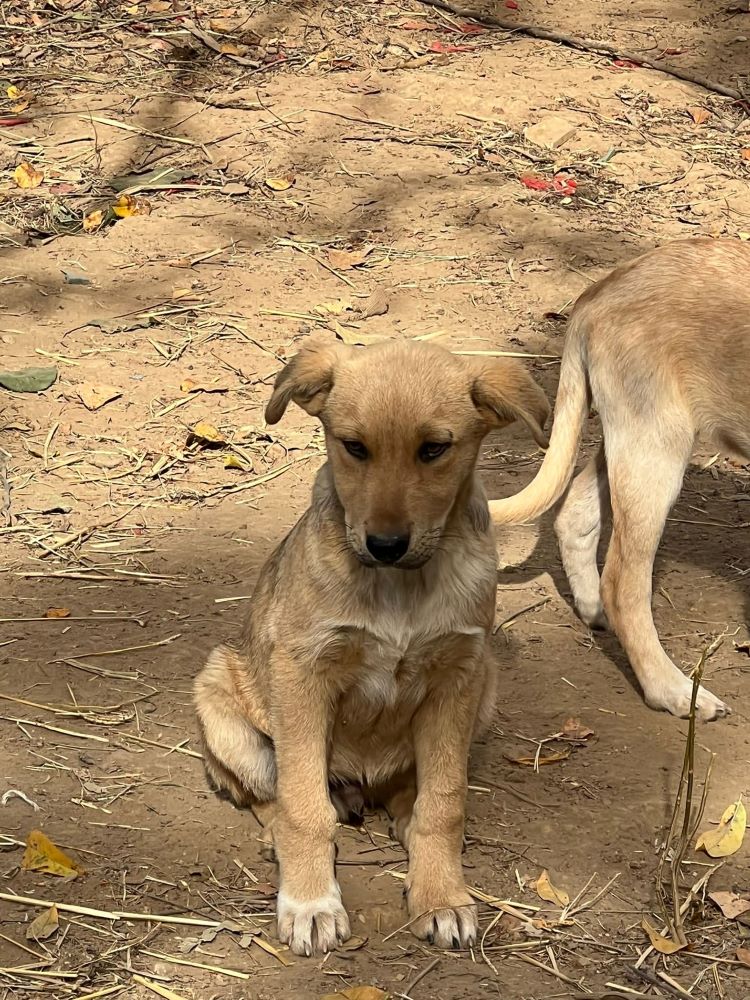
550, 132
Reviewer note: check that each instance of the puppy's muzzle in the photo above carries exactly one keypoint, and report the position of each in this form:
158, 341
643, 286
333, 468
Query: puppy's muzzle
387, 549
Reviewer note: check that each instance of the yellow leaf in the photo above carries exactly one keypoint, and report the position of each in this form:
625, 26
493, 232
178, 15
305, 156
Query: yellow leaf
41, 855
27, 176
727, 838
545, 890
280, 183
94, 397
334, 308
127, 206
207, 432
13, 92
57, 613
664, 945
358, 993
699, 115
93, 220
43, 926
232, 462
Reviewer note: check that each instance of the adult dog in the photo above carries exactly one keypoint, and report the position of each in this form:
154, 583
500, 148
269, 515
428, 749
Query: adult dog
365, 661
662, 348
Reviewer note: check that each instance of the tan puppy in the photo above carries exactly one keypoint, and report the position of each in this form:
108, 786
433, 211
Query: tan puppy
365, 660
662, 348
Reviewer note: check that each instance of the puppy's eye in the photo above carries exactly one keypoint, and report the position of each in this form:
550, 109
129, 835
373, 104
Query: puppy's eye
356, 449
431, 450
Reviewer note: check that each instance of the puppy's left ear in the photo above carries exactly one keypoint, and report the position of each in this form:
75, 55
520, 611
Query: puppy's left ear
306, 380
503, 391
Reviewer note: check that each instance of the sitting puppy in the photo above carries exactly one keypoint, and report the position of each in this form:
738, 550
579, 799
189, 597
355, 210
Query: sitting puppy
365, 661
661, 346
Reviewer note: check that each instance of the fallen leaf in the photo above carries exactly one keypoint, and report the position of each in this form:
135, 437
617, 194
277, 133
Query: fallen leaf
731, 904
345, 260
232, 462
745, 154
94, 397
28, 379
664, 945
127, 206
43, 926
563, 184
552, 758
354, 338
93, 220
27, 176
334, 308
574, 730
625, 64
13, 92
376, 304
13, 120
743, 955
41, 855
511, 4
280, 183
446, 47
727, 838
190, 385
207, 434
57, 613
536, 183
545, 890
471, 28
699, 115
358, 993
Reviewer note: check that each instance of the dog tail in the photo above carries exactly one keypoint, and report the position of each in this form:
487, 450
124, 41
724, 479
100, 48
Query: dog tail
571, 410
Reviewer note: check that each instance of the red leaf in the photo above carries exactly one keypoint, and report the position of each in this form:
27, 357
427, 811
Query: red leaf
443, 47
9, 122
409, 24
511, 4
470, 29
625, 64
563, 184
536, 183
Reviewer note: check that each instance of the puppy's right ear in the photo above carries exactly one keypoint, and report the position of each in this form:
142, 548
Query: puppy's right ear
306, 380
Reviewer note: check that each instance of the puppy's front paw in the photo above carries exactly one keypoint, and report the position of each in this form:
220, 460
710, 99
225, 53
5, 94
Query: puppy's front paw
312, 926
445, 919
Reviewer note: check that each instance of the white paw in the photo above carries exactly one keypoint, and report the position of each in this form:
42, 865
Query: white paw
674, 693
312, 926
591, 612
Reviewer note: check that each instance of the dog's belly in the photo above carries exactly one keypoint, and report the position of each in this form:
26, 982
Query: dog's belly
372, 738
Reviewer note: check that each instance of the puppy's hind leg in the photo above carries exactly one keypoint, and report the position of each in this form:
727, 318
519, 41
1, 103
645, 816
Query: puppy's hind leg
578, 528
646, 467
239, 758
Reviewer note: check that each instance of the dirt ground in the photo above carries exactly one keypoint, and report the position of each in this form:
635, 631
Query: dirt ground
307, 157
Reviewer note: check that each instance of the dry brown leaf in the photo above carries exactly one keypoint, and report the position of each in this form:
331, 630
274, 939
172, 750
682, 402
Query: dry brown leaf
727, 838
345, 260
376, 304
334, 308
743, 955
699, 115
573, 729
552, 758
94, 397
731, 904
41, 855
207, 433
43, 926
545, 890
57, 613
358, 993
127, 206
664, 945
745, 154
27, 176
354, 337
282, 183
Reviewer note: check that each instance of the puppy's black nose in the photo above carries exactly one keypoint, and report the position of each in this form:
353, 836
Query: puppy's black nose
387, 548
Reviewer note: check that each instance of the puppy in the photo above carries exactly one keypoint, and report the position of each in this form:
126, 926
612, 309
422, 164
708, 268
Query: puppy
365, 661
662, 348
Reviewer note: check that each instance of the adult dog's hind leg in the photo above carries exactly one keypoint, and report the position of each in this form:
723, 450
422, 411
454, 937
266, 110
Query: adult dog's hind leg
645, 481
578, 528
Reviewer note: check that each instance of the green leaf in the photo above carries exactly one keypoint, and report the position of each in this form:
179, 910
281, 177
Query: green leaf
29, 379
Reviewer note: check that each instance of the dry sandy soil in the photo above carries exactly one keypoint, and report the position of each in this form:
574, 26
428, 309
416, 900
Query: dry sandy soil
310, 156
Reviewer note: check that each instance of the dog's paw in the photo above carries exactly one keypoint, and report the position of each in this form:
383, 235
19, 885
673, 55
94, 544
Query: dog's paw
674, 697
312, 926
591, 613
450, 922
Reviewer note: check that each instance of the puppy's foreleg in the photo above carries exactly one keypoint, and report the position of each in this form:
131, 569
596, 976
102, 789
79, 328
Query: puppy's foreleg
311, 917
